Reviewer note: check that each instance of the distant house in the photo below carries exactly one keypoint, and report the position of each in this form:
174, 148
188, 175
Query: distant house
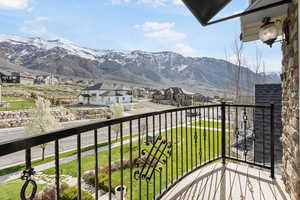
105, 94
174, 96
14, 77
46, 79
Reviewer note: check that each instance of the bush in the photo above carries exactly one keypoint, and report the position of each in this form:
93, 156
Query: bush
89, 177
70, 193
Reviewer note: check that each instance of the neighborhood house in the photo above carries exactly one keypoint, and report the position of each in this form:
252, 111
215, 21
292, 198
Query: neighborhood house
105, 94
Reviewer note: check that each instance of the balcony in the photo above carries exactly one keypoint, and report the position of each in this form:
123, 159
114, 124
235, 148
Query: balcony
218, 153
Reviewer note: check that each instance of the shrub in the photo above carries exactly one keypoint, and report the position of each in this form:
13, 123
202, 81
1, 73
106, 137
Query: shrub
70, 193
89, 177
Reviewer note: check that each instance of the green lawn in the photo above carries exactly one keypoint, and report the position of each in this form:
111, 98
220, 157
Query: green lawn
16, 103
207, 124
51, 158
11, 189
186, 153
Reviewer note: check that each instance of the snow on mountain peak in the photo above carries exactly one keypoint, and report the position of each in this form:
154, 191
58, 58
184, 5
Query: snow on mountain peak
71, 47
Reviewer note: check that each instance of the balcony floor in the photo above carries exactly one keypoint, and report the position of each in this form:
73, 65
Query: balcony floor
241, 183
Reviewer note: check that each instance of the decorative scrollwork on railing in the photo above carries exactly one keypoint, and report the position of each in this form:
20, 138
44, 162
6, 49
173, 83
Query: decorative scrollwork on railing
150, 160
245, 122
27, 176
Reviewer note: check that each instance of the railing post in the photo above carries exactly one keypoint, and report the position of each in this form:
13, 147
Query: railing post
223, 118
272, 142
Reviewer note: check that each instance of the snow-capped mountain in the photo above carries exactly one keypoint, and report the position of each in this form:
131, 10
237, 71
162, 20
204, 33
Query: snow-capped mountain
66, 58
273, 76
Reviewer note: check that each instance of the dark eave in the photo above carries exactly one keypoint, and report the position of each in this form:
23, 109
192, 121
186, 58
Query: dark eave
205, 10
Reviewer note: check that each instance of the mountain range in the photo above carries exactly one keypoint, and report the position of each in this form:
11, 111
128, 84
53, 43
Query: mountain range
65, 58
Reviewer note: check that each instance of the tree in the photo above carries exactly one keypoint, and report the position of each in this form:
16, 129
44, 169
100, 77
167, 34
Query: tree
117, 111
42, 121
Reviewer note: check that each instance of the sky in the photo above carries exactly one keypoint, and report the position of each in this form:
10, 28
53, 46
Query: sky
149, 25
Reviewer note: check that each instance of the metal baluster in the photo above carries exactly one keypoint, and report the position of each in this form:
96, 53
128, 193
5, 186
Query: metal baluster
147, 187
176, 116
181, 143
172, 163
200, 139
218, 141
147, 132
56, 144
153, 125
272, 143
213, 121
209, 131
204, 136
223, 130
191, 135
195, 138
109, 164
186, 142
166, 132
130, 157
159, 124
263, 130
121, 159
79, 165
139, 135
154, 184
139, 147
245, 133
160, 178
237, 133
229, 132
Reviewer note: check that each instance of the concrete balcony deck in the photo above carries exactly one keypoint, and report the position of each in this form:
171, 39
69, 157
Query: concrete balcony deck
232, 182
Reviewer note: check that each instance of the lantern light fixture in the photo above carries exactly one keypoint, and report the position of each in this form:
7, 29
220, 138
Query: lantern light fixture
268, 32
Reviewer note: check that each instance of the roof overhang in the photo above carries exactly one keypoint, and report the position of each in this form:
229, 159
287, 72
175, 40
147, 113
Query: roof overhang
205, 10
251, 23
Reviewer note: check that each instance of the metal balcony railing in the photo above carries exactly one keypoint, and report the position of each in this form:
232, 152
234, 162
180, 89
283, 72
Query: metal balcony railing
147, 154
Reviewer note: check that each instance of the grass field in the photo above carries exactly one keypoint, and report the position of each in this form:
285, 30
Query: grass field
186, 153
16, 103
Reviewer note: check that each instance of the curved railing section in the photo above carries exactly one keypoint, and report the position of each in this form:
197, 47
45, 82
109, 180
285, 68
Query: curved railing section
143, 156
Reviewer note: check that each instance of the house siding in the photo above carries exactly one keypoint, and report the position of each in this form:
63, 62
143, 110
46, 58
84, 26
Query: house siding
266, 94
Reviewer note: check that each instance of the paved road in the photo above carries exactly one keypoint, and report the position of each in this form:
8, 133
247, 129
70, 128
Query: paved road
87, 137
71, 142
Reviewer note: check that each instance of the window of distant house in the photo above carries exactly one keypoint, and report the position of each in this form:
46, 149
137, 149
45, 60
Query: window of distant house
94, 94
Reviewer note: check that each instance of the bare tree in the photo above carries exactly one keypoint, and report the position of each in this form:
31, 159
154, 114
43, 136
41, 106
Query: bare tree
41, 121
118, 111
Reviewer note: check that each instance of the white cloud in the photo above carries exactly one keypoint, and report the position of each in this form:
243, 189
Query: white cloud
166, 34
177, 2
150, 26
185, 49
160, 30
154, 3
13, 4
34, 26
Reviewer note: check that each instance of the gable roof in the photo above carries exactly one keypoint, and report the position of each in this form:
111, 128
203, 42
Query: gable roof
100, 86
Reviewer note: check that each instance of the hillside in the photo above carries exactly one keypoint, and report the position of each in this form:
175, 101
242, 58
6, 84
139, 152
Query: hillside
139, 67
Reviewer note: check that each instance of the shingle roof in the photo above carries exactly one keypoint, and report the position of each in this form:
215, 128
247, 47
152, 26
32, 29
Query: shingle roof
100, 86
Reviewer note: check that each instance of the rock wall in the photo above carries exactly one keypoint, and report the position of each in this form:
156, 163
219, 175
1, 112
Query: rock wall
10, 119
290, 107
88, 113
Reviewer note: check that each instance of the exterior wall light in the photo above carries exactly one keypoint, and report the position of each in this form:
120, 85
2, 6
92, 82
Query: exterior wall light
268, 32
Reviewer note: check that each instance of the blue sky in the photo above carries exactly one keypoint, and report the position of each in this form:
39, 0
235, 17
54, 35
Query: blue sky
150, 25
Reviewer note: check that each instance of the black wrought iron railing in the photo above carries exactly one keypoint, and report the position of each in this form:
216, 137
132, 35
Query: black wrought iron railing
145, 155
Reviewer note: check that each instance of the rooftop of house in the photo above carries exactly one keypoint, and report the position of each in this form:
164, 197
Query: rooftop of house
107, 86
